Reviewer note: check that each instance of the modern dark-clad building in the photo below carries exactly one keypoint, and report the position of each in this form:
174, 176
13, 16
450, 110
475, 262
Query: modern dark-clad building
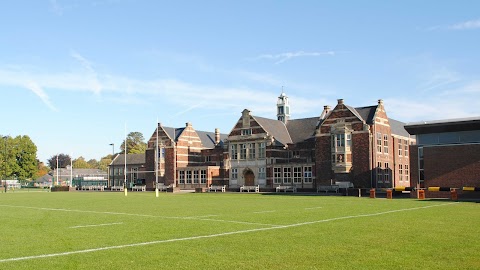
447, 154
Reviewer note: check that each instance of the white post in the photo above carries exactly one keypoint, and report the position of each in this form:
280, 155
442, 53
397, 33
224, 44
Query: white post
57, 171
71, 171
125, 168
156, 164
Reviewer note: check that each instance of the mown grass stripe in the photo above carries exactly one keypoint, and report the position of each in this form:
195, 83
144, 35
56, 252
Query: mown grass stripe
217, 235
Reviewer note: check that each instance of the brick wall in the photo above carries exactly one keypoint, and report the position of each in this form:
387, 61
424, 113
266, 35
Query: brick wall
452, 166
361, 160
323, 160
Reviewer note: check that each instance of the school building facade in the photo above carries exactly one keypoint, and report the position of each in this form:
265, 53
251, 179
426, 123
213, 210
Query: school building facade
361, 147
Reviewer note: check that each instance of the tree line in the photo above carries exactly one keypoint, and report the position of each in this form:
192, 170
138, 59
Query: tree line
18, 157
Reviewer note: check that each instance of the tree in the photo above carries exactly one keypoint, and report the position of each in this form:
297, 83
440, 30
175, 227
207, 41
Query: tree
93, 164
18, 157
63, 161
80, 163
25, 155
41, 170
104, 162
135, 143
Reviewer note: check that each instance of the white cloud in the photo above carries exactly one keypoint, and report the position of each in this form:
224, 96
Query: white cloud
467, 25
56, 7
439, 78
282, 57
456, 102
37, 90
93, 82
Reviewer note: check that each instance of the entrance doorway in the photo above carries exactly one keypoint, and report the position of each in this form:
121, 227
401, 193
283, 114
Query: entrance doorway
249, 177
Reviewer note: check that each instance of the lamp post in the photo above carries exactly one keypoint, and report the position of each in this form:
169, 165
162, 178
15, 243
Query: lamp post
5, 164
113, 167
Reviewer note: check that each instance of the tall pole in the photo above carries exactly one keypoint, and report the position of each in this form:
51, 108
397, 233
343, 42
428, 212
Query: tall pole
156, 164
71, 170
125, 168
5, 164
57, 171
113, 167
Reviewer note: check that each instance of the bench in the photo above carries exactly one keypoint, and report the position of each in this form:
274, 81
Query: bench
116, 188
162, 187
217, 188
90, 188
328, 188
139, 188
250, 188
286, 188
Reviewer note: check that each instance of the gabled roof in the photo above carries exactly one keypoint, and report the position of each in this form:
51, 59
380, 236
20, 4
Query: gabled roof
207, 138
132, 159
302, 129
355, 112
367, 113
275, 128
173, 133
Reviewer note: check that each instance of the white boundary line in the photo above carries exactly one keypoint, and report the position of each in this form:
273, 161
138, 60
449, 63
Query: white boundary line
214, 235
312, 208
138, 215
95, 225
267, 211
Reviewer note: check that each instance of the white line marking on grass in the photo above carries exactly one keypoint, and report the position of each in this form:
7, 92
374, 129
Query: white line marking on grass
138, 215
311, 208
261, 212
239, 222
95, 225
213, 235
195, 217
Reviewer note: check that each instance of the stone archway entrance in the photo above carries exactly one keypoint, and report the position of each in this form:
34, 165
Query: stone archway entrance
249, 177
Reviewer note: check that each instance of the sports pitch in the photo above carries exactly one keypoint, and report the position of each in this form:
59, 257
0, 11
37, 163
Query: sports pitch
96, 230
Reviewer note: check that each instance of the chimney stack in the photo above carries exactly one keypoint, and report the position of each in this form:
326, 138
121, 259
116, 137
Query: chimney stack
217, 136
340, 101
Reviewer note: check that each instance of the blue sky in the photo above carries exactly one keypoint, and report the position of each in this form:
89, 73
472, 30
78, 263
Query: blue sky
74, 73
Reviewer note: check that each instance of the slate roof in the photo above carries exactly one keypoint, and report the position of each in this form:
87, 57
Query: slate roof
367, 113
173, 133
44, 179
207, 138
355, 112
275, 128
302, 129
131, 159
398, 128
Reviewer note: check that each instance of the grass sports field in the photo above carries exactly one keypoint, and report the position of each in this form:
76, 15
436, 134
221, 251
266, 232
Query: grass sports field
105, 230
